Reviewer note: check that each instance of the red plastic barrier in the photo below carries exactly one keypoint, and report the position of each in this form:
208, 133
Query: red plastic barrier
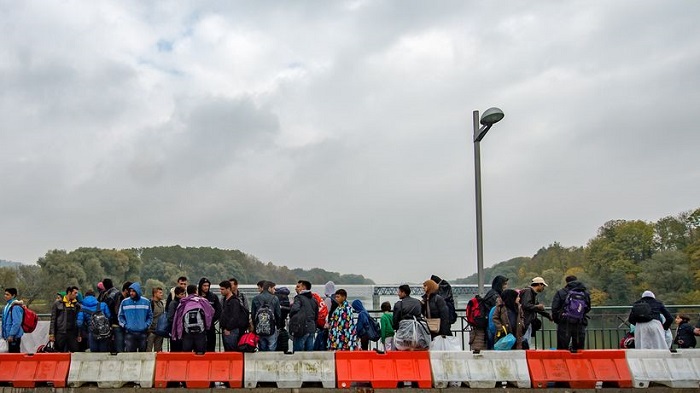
199, 371
581, 370
383, 371
24, 370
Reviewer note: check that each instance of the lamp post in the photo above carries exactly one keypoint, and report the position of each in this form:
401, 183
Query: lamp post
491, 116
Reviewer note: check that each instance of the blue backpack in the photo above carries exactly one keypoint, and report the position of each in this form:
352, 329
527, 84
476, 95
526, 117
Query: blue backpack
491, 330
574, 306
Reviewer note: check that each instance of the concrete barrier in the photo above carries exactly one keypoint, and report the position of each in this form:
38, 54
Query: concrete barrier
487, 369
112, 371
677, 370
289, 370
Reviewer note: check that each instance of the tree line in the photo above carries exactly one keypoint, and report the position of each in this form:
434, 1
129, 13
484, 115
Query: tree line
619, 263
152, 267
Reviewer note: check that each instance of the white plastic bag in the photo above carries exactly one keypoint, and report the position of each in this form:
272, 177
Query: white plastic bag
445, 343
3, 346
411, 335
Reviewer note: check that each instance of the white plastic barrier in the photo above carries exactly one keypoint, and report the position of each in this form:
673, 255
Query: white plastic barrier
289, 370
112, 371
487, 369
677, 370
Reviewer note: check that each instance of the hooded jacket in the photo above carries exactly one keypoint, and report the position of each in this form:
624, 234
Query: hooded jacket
560, 299
363, 318
188, 303
135, 315
12, 319
493, 296
329, 291
406, 308
310, 311
90, 304
213, 300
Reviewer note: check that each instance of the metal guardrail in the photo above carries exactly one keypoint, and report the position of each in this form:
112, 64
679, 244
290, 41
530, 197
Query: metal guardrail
606, 327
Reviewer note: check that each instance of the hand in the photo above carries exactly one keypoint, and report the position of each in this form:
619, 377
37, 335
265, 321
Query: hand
227, 332
540, 307
696, 331
52, 338
80, 339
10, 339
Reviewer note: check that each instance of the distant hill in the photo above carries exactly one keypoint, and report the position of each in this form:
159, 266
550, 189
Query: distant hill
4, 263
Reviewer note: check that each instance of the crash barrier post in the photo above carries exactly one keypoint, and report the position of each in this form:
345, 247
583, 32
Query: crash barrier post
289, 370
112, 370
486, 369
24, 370
198, 371
680, 369
581, 370
383, 370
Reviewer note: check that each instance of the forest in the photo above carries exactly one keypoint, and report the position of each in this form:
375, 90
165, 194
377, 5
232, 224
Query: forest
624, 259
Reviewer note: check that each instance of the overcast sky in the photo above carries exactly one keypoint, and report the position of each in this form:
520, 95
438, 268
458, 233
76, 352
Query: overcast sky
338, 134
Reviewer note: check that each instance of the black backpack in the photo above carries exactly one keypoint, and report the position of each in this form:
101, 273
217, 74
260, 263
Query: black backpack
99, 324
641, 312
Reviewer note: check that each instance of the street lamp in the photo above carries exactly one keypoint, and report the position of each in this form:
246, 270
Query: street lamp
490, 117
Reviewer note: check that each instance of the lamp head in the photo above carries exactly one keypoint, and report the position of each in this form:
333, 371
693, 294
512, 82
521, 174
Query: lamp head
491, 116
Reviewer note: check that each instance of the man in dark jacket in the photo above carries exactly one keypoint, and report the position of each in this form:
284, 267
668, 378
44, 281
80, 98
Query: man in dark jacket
571, 330
203, 289
478, 339
63, 330
234, 318
266, 298
178, 294
530, 306
302, 318
406, 308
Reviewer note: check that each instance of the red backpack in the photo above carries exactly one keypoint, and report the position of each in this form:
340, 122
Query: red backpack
322, 311
476, 316
30, 319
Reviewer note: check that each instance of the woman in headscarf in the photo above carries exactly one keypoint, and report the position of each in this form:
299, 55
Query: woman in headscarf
434, 306
509, 315
646, 316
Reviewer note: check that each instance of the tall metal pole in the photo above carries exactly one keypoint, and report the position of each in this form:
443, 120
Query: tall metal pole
479, 234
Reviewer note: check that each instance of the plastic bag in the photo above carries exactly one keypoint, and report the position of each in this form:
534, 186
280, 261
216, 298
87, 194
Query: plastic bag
4, 347
445, 343
411, 335
505, 343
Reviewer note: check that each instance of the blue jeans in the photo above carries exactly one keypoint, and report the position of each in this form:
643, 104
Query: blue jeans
98, 345
135, 342
231, 341
268, 343
304, 343
118, 334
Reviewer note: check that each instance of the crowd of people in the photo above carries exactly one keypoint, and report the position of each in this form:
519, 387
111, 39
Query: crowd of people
123, 320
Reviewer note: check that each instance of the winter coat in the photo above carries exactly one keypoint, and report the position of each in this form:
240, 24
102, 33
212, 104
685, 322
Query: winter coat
282, 294
657, 309
559, 300
406, 308
188, 303
213, 300
233, 315
112, 297
12, 319
305, 300
528, 302
363, 318
502, 318
135, 315
64, 316
493, 296
685, 338
438, 309
90, 304
342, 332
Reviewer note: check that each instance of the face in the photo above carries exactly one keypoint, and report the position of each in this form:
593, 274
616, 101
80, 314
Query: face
539, 288
182, 284
299, 287
72, 295
402, 294
340, 298
132, 294
272, 290
7, 296
224, 291
505, 285
234, 286
158, 295
182, 295
205, 287
678, 318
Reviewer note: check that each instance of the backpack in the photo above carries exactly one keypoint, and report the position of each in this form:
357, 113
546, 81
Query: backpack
248, 342
29, 320
476, 312
322, 310
373, 330
264, 321
162, 326
98, 324
641, 311
574, 306
193, 321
